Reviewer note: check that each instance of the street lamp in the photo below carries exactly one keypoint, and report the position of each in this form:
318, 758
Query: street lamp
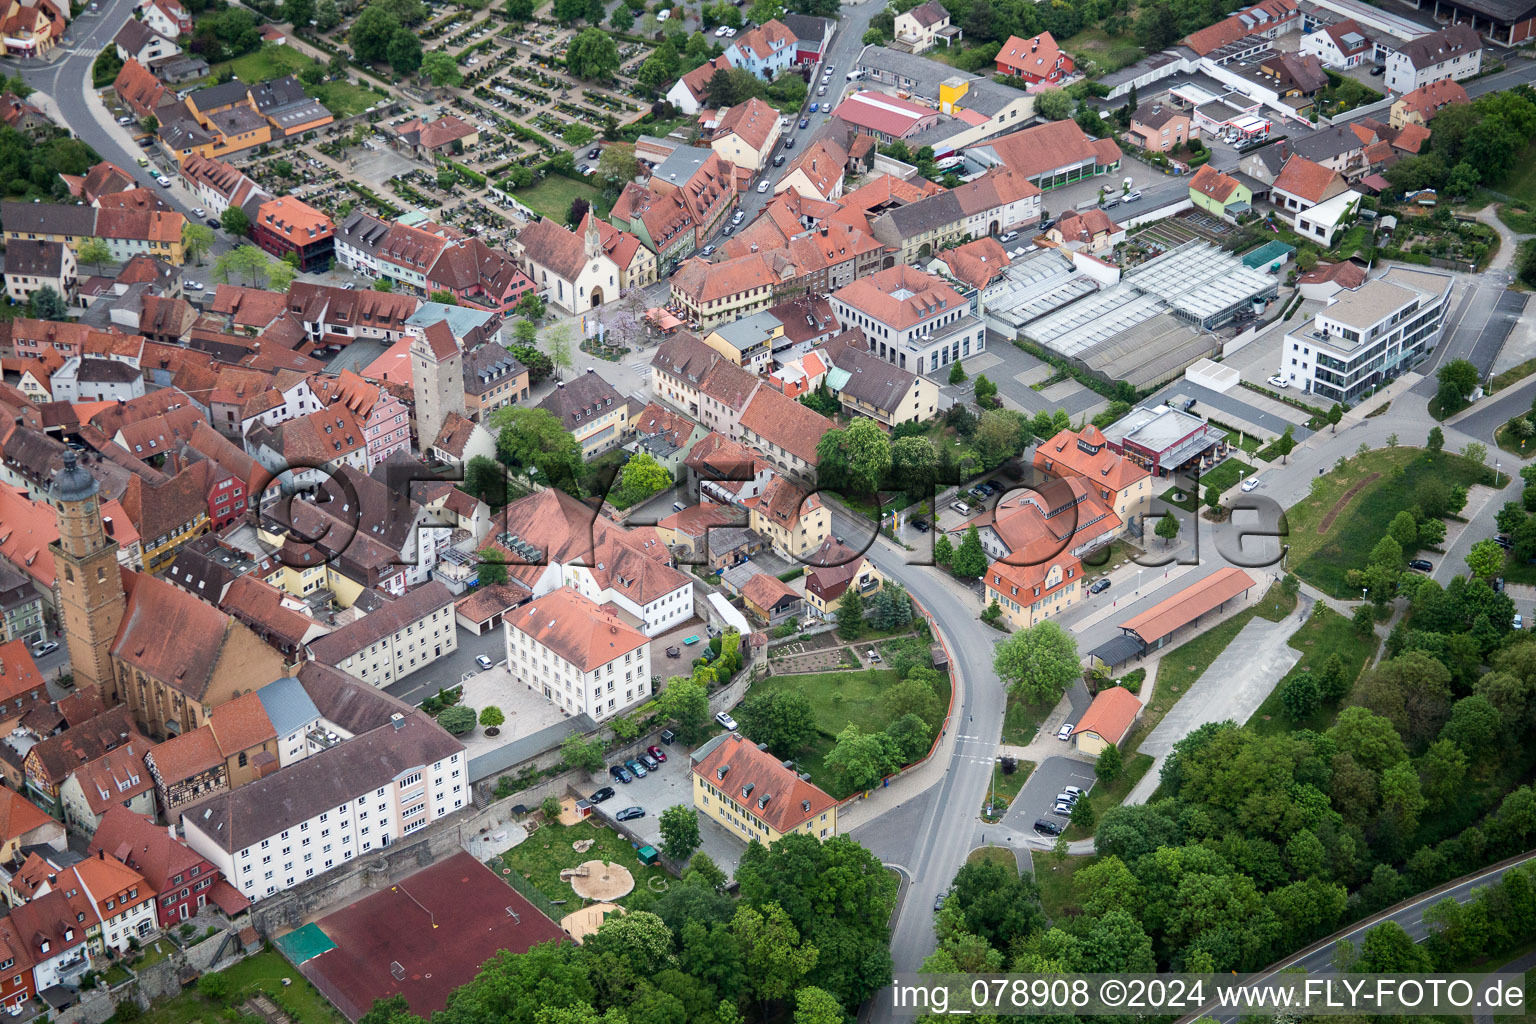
1496, 464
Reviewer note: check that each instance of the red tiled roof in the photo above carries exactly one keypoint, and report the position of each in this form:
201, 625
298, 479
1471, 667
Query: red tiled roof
577, 629
775, 795
1110, 714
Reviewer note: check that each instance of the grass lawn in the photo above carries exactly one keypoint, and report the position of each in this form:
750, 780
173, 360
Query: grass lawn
840, 699
1005, 787
540, 858
344, 99
552, 197
1102, 797
1521, 183
994, 854
1508, 443
1110, 53
1055, 881
1180, 667
264, 971
155, 952
1512, 376
269, 62
1109, 557
1362, 499
1225, 475
1323, 635
1021, 721
1179, 498
115, 975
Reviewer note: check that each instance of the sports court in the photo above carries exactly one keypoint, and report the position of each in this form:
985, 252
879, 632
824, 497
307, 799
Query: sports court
422, 937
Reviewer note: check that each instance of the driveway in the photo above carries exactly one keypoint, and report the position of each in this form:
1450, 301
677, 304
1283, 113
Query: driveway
669, 785
1013, 371
451, 669
1038, 797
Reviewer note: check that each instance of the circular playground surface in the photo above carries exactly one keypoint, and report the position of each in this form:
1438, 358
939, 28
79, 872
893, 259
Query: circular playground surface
600, 880
587, 920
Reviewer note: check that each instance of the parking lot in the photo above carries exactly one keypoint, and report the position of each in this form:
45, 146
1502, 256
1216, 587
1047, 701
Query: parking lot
668, 785
1038, 796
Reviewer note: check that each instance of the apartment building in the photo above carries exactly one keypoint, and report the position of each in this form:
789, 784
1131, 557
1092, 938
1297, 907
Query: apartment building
591, 410
1453, 53
1368, 336
406, 634
581, 656
911, 319
1031, 593
751, 793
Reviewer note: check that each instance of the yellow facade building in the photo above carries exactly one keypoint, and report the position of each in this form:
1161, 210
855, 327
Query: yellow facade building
752, 794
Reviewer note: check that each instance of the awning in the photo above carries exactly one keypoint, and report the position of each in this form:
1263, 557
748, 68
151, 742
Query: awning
1117, 650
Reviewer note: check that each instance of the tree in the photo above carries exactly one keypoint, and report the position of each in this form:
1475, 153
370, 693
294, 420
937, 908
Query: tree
679, 832
404, 52
970, 559
1109, 765
914, 696
280, 275
215, 987
439, 68
1286, 443
493, 564
1300, 697
1167, 527
1335, 414
372, 33
95, 252
312, 73
1331, 680
457, 719
530, 305
1038, 663
783, 719
1458, 378
1053, 104
850, 614
643, 476
299, 12
491, 717
1436, 439
1473, 451
816, 1005
943, 550
234, 221
913, 463
686, 702
986, 392
1485, 559
577, 211
47, 304
593, 56
557, 344
536, 439
328, 15
149, 124
582, 754
956, 374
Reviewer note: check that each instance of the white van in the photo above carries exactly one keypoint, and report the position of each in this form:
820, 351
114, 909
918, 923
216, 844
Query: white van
854, 76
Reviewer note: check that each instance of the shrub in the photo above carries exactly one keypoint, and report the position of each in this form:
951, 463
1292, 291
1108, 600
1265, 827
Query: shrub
550, 806
458, 719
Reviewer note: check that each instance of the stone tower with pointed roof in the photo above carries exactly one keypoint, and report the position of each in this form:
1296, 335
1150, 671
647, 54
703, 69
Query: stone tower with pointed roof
91, 594
437, 377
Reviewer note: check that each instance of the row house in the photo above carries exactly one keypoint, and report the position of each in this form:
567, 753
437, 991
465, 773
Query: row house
182, 879
384, 416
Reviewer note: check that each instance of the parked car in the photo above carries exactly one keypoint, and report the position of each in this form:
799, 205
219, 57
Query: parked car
1068, 798
1132, 196
1498, 584
762, 186
606, 793
620, 773
484, 661
920, 525
1008, 236
651, 764
214, 222
125, 119
1251, 483
635, 768
778, 161
631, 813
707, 251
938, 902
1423, 565
1099, 585
1065, 732
726, 720
44, 647
1502, 540
1278, 381
961, 507
656, 752
163, 180
728, 228
594, 152
789, 143
1073, 791
199, 212
805, 122
192, 286
738, 216
1378, 71
1065, 810
822, 91
1519, 621
1046, 827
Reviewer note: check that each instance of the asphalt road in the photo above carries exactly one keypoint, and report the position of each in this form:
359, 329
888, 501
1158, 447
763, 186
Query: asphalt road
449, 671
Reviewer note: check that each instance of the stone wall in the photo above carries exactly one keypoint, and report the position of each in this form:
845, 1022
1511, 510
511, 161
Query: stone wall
94, 1007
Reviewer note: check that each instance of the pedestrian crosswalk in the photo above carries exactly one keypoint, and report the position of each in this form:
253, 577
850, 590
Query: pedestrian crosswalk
87, 51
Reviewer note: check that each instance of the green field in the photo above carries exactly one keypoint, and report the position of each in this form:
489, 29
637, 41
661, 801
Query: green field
1323, 635
344, 99
1055, 881
1323, 559
1521, 183
269, 62
540, 858
840, 699
265, 971
994, 855
1224, 476
552, 197
1110, 53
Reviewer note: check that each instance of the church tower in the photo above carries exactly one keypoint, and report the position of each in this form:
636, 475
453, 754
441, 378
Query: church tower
437, 378
91, 593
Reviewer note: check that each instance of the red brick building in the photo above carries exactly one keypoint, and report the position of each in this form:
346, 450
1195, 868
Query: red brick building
287, 225
183, 881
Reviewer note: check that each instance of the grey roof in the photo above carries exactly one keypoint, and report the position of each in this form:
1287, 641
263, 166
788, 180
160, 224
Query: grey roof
485, 365
35, 259
362, 230
461, 319
1503, 11
806, 28
870, 378
1428, 50
682, 164
106, 371
135, 35
289, 707
279, 92
1327, 144
219, 95
178, 129
580, 399
1147, 65
413, 606
923, 74
49, 219
72, 483
237, 121
927, 214
321, 782
179, 68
